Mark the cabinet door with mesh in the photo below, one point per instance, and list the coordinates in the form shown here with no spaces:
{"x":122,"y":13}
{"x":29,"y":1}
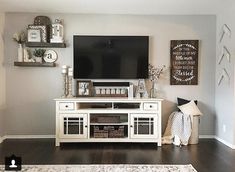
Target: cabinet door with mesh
{"x":73,"y":126}
{"x":143,"y":126}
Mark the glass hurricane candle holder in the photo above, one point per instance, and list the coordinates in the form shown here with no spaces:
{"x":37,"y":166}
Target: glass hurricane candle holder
{"x":65,"y":81}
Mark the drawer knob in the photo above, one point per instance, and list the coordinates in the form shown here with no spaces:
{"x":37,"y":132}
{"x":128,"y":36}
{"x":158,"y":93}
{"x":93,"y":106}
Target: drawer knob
{"x":131,"y":126}
{"x":85,"y":126}
{"x":66,"y":106}
{"x":150,"y":106}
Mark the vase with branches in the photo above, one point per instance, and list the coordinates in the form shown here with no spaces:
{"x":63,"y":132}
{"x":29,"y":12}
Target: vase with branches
{"x":154,"y":75}
{"x":20,"y":38}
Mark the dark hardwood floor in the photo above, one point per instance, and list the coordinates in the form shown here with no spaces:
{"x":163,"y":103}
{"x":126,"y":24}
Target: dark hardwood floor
{"x":208,"y":156}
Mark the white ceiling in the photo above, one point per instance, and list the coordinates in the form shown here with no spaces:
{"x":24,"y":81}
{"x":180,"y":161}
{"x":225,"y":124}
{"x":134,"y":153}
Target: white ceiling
{"x":114,"y":6}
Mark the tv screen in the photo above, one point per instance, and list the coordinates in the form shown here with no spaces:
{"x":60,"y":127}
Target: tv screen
{"x":110,"y":57}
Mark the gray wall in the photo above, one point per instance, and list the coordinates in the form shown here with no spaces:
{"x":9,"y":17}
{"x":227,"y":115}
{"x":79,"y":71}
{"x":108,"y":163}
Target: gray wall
{"x":1,"y":124}
{"x":2,"y":75}
{"x":30,"y":91}
{"x":225,"y":99}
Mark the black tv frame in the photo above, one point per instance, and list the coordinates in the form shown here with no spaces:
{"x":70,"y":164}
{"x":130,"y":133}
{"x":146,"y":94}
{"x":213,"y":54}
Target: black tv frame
{"x":142,"y":65}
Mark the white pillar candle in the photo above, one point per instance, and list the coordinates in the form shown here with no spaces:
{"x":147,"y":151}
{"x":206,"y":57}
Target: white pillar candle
{"x":70,"y":71}
{"x":64,"y":69}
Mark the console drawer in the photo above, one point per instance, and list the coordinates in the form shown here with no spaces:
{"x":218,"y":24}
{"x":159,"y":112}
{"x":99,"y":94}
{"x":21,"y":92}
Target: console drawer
{"x":66,"y":106}
{"x":150,"y":106}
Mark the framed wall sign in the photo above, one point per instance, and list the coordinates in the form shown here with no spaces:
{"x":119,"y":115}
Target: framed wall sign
{"x":184,"y":62}
{"x":84,"y":88}
{"x":43,"y":29}
{"x":34,"y":35}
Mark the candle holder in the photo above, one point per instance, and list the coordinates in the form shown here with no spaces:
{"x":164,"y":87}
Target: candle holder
{"x":65,"y":81}
{"x":64,"y":85}
{"x":70,"y":77}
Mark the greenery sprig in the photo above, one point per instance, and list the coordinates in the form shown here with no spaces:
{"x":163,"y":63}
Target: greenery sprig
{"x":39,"y":52}
{"x":20,"y":37}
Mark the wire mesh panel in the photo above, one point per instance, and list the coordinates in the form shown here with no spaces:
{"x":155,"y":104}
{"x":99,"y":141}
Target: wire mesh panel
{"x":143,"y":126}
{"x":73,"y":125}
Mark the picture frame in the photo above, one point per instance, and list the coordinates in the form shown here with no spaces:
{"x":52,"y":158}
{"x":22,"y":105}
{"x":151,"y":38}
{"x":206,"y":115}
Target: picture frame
{"x":84,"y":88}
{"x":34,"y":35}
{"x":43,"y":28}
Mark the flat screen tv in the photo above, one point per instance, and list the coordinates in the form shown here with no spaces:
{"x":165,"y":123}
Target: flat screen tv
{"x":110,"y":57}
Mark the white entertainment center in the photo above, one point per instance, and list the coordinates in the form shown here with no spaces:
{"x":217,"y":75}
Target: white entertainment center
{"x":94,"y":119}
{"x":108,"y":111}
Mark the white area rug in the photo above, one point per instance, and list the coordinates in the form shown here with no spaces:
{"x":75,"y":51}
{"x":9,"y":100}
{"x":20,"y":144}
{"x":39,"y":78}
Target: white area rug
{"x":106,"y":168}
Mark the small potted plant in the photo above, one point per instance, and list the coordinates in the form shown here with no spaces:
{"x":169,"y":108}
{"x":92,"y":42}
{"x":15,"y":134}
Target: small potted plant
{"x":38,"y":54}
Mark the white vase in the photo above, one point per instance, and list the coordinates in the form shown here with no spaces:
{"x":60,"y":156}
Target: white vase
{"x":38,"y":59}
{"x":20,"y":53}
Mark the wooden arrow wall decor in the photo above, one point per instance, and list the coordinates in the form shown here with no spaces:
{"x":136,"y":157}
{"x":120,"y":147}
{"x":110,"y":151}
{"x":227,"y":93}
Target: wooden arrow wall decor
{"x":224,"y":75}
{"x":225,"y":31}
{"x":224,"y":53}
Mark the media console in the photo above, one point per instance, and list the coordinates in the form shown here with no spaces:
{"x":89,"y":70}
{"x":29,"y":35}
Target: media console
{"x":108,"y":120}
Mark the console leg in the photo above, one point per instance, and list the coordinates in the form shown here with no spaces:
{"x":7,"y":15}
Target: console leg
{"x":57,"y":143}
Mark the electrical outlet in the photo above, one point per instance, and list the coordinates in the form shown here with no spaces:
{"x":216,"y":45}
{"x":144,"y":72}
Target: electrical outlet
{"x":224,"y":128}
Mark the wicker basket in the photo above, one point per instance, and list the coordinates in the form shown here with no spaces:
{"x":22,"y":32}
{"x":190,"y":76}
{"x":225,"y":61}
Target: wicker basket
{"x":101,"y":133}
{"x":109,"y":132}
{"x":116,"y":132}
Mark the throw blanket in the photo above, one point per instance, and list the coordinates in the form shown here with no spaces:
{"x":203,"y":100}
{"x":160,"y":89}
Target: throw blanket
{"x":179,"y":127}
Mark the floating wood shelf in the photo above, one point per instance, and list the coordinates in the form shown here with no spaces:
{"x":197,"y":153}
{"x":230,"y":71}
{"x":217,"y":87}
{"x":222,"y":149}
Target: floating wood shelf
{"x":34,"y":64}
{"x":45,"y":44}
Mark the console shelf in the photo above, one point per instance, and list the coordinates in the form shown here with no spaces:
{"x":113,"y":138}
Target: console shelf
{"x":45,"y":45}
{"x":34,"y":64}
{"x":122,"y":123}
{"x":108,"y":120}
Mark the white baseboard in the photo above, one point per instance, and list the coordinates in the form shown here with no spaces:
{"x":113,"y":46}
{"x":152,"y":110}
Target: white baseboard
{"x":217,"y":138}
{"x":53,"y":136}
{"x":28,"y":137}
{"x":225,"y":142}
{"x":2,"y":139}
{"x":207,"y":137}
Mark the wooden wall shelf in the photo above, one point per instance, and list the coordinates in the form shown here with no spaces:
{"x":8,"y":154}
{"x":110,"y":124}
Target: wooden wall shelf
{"x":34,"y":64}
{"x":45,"y":44}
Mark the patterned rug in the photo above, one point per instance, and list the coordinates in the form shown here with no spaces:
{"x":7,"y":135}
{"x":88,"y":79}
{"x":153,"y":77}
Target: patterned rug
{"x":106,"y":168}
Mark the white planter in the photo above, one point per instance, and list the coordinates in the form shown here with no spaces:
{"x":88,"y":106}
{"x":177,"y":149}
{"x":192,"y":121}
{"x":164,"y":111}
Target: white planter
{"x":38,"y":59}
{"x":20,"y":53}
